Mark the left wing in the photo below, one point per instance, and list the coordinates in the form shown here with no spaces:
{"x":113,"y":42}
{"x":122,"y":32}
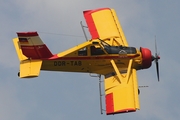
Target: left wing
{"x":103,"y":24}
{"x":121,"y":91}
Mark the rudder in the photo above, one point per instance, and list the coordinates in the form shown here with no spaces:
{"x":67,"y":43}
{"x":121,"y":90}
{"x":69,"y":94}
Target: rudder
{"x":32,"y":46}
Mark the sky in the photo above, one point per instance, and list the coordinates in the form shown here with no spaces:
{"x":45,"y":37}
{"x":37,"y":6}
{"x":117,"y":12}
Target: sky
{"x":67,"y":96}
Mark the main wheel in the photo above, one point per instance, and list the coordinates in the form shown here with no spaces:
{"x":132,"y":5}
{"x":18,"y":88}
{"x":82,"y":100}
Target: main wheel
{"x":138,"y":91}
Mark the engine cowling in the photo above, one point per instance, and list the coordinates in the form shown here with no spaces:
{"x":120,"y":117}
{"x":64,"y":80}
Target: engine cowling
{"x":146,"y":58}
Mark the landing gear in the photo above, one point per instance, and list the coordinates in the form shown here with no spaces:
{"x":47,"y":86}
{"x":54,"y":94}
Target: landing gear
{"x":138,"y":91}
{"x":18,"y":74}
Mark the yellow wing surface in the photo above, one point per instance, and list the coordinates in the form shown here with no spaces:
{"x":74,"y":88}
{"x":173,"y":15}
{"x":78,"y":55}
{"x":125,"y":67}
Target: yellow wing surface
{"x":103,"y":24}
{"x":121,"y":90}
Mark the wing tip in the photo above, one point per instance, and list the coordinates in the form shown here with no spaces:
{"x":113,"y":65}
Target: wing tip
{"x":95,"y":10}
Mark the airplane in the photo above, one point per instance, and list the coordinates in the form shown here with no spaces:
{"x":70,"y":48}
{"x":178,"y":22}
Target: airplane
{"x":107,"y":53}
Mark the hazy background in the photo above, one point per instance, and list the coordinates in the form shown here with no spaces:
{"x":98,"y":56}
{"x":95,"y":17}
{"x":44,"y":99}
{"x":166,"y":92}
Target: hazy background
{"x":75,"y":96}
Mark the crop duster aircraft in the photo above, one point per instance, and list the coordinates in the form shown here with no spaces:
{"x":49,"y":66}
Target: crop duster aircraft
{"x":107,"y":53}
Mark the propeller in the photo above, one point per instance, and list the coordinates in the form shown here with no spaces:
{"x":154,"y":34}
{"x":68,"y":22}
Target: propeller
{"x":155,"y":59}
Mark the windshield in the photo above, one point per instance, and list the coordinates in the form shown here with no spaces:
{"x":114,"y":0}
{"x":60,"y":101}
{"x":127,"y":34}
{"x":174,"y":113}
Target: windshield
{"x":104,"y":44}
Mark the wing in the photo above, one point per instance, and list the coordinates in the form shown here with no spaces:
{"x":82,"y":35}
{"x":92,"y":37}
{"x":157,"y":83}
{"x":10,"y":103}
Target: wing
{"x":121,"y":91}
{"x":103,"y":24}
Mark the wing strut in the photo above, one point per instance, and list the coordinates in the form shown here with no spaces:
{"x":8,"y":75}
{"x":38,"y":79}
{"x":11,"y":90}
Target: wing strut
{"x":120,"y":76}
{"x":82,"y":26}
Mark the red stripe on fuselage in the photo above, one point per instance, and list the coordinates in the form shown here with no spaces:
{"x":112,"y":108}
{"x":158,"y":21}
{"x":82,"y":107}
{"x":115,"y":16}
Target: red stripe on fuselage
{"x":55,"y":57}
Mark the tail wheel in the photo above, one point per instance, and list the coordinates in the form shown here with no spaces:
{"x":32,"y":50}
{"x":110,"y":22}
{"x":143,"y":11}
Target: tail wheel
{"x":18,"y":74}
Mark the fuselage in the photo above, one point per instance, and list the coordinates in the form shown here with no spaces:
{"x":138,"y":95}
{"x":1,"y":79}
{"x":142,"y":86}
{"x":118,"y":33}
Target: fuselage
{"x":99,"y":64}
{"x":95,"y":57}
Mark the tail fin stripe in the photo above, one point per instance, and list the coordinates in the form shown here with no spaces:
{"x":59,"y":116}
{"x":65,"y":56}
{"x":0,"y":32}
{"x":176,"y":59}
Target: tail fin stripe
{"x":36,"y":52}
{"x":27,"y":34}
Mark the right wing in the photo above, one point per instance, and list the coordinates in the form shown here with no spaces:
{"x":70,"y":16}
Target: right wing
{"x":103,"y":24}
{"x":121,"y":92}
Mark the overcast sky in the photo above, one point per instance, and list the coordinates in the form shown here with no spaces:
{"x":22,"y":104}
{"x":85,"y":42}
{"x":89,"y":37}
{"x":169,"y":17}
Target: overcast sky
{"x":75,"y":96}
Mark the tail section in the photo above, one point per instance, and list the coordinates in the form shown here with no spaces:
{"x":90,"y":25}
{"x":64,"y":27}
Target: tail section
{"x":30,"y":50}
{"x":30,"y":68}
{"x":19,"y":52}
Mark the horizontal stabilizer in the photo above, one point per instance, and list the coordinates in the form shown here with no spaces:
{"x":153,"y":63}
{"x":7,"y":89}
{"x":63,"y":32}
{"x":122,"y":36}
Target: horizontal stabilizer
{"x":30,"y":68}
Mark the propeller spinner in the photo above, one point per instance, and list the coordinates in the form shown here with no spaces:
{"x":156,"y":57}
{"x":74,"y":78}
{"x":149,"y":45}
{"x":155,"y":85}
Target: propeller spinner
{"x":147,"y":59}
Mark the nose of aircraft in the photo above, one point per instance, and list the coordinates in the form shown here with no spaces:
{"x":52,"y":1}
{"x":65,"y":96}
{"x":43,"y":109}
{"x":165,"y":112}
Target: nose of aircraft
{"x":147,"y":59}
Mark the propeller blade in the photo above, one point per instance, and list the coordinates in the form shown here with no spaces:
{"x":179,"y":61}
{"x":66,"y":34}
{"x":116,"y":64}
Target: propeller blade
{"x":156,"y":58}
{"x":157,"y":69}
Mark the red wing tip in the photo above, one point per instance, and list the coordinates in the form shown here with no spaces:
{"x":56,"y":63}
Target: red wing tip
{"x":27,"y":34}
{"x":95,"y":10}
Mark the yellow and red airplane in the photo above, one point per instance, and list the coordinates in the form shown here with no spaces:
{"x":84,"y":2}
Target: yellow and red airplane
{"x":106,"y":53}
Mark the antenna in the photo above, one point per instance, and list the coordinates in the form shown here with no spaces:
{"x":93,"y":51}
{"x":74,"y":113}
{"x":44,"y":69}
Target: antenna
{"x":82,"y":26}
